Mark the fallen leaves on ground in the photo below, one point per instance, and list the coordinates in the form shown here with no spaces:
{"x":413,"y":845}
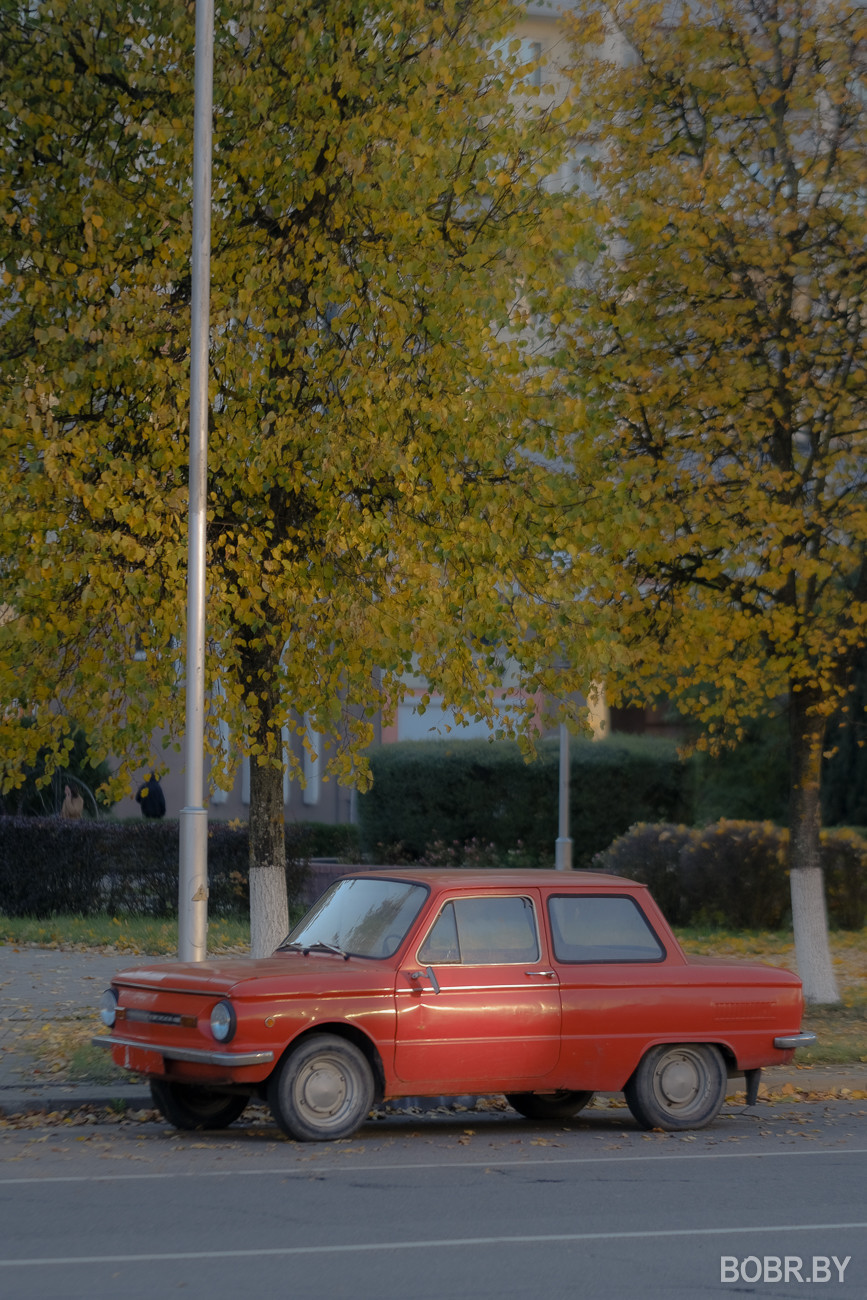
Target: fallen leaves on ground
{"x":791,"y":1092}
{"x":64,"y":1051}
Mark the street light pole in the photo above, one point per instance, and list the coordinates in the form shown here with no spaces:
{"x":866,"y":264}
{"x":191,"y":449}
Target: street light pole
{"x":193,"y":876}
{"x":563,"y":844}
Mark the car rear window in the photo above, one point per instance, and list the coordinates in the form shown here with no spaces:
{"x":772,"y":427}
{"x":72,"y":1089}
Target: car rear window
{"x":483,"y":931}
{"x":596,"y":927}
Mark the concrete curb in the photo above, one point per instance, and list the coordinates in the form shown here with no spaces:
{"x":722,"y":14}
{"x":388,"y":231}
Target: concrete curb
{"x":65,"y":1097}
{"x":838,"y":1082}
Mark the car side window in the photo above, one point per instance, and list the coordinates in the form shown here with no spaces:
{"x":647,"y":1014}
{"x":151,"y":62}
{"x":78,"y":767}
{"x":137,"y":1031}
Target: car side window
{"x":483,"y":931}
{"x":601,"y":928}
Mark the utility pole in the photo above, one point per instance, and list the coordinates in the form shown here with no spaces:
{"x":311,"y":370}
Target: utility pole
{"x":563,"y":844}
{"x":193,"y":876}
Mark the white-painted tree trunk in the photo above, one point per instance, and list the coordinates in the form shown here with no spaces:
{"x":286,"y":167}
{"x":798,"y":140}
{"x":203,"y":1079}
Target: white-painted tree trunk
{"x":810,"y":921}
{"x":809,"y":910}
{"x":269,"y":904}
{"x":269,"y":912}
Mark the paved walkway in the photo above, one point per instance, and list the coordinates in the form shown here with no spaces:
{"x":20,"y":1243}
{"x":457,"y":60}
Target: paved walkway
{"x":42,"y":987}
{"x":46,"y":987}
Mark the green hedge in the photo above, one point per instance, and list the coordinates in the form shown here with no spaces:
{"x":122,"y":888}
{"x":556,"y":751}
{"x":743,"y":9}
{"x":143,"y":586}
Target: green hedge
{"x":747,"y":783}
{"x":320,"y":840}
{"x":735,"y":873}
{"x":430,"y":792}
{"x":50,"y":866}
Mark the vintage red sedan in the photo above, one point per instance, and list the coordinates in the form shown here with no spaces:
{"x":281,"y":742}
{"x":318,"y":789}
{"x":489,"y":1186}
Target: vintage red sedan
{"x":541,"y":985}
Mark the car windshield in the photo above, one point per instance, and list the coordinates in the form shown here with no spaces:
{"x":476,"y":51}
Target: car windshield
{"x":362,"y":917}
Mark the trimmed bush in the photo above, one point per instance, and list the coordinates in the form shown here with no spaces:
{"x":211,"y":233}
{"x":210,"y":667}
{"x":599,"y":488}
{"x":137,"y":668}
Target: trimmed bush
{"x":51,"y":866}
{"x":431,"y":792}
{"x":735,"y":874}
{"x":844,"y":770}
{"x":321,"y":840}
{"x":844,"y":858}
{"x":651,"y":854}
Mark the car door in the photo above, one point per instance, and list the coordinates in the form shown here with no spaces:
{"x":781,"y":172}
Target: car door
{"x":478,"y":1002}
{"x":614,"y":975}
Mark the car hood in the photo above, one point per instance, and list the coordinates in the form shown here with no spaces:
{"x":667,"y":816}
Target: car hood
{"x":285,"y":973}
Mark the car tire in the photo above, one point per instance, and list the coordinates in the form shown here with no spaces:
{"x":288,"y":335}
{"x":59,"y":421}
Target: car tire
{"x":562,"y":1104}
{"x":323,"y":1090}
{"x":678,"y":1086}
{"x":188,"y":1106}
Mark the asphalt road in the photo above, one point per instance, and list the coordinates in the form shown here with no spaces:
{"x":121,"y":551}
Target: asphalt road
{"x":441,"y":1208}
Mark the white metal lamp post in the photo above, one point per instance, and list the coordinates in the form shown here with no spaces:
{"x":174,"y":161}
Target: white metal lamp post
{"x":193,"y":876}
{"x":563,"y":844}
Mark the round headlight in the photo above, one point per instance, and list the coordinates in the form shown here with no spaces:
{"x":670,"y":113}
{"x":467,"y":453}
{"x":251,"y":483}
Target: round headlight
{"x":223,"y":1022}
{"x":108,"y":1007}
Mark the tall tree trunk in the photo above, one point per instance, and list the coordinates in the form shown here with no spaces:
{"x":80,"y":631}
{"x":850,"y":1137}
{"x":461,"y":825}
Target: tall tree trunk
{"x":809,"y":911}
{"x":269,"y":907}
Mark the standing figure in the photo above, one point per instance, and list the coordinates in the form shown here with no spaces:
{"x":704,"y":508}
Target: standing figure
{"x":151,"y":798}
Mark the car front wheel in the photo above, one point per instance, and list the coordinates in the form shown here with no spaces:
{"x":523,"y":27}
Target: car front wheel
{"x":562,"y":1104}
{"x":323,"y":1090}
{"x":190,"y":1107}
{"x":678,"y":1086}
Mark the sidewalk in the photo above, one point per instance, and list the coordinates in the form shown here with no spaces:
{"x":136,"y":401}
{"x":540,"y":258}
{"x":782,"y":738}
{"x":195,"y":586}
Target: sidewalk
{"x":46,"y":987}
{"x":43,"y":987}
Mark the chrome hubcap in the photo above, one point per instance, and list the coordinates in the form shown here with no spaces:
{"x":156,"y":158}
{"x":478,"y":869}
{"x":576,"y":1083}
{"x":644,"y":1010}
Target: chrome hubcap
{"x":322,"y":1089}
{"x":679,"y":1080}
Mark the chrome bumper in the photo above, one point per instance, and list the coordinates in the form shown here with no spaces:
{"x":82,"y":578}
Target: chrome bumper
{"x":788,"y":1041}
{"x":197,"y":1056}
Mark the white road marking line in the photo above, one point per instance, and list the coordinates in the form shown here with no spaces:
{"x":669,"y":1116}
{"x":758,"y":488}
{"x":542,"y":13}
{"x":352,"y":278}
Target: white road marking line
{"x":448,"y":1243}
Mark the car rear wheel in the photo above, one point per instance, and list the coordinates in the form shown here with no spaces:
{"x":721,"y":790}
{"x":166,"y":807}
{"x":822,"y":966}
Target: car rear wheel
{"x":562,"y":1104}
{"x":678,"y":1086}
{"x":190,"y":1107}
{"x":323,"y":1090}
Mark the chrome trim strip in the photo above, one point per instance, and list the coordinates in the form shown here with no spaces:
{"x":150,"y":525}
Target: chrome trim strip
{"x":788,"y":1041}
{"x":194,"y":1054}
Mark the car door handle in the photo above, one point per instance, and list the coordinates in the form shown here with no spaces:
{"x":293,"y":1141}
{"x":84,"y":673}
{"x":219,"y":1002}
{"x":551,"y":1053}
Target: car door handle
{"x":548,"y":974}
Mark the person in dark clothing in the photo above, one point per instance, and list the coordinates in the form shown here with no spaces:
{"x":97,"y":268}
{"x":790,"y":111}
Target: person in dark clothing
{"x":151,"y":798}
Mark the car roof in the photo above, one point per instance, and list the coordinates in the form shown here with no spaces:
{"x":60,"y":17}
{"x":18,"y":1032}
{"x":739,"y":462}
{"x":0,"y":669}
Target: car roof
{"x":511,"y":877}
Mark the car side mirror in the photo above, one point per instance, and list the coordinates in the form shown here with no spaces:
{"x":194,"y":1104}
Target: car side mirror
{"x":428,"y":971}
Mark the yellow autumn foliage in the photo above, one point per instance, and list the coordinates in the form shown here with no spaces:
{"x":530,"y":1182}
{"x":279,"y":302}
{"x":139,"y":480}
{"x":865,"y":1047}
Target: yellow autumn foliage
{"x":381,"y":491}
{"x":719,"y":348}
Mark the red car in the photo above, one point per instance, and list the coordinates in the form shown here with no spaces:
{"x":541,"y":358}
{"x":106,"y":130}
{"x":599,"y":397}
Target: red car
{"x":541,"y":985}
